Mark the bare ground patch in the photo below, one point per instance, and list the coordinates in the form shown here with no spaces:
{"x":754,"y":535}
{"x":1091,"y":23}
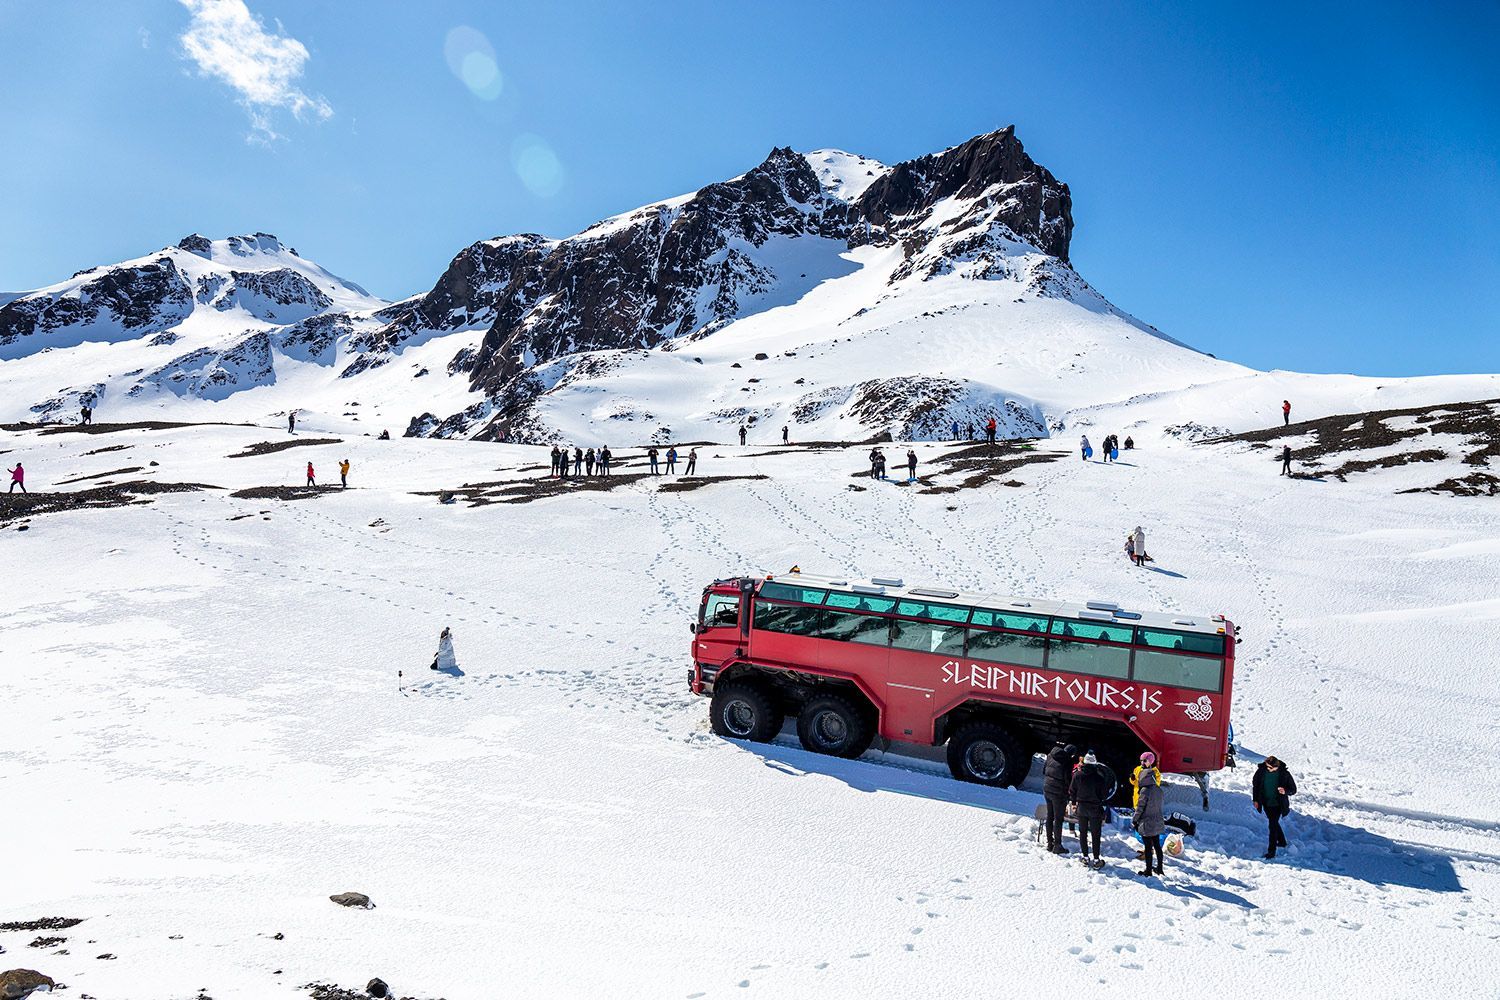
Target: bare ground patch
{"x":15,"y":506}
{"x":271,"y":447}
{"x":1338,"y":439}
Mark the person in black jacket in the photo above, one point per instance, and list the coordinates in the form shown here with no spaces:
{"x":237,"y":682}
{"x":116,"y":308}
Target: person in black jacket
{"x":1090,"y":790}
{"x":1270,"y":790}
{"x":1056,"y":775}
{"x":1286,"y":460}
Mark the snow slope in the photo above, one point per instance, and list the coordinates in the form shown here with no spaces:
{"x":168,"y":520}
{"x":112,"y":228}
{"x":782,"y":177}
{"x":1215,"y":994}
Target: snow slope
{"x":205,"y":736}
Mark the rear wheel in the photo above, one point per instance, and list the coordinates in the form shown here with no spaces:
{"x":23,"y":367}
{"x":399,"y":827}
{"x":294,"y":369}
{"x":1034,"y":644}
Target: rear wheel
{"x":835,"y":725}
{"x":986,"y":753}
{"x":744,"y":710}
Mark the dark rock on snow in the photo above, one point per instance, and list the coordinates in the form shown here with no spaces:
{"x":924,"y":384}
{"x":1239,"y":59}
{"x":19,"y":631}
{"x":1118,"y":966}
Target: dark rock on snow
{"x":356,"y":899}
{"x":19,"y":983}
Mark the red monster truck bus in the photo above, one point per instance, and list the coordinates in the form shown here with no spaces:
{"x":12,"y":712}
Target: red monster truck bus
{"x":997,"y":679}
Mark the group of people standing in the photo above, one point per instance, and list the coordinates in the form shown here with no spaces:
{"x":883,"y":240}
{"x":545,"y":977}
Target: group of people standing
{"x":589,"y":462}
{"x":877,"y":464}
{"x":1083,"y":782}
{"x":966,"y":432}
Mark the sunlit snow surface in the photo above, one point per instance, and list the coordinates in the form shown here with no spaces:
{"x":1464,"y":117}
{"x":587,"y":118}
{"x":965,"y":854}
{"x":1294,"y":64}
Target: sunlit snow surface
{"x":205,"y":734}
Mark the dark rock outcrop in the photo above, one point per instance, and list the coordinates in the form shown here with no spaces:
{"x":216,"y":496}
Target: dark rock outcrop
{"x":18,"y":983}
{"x":354,"y":899}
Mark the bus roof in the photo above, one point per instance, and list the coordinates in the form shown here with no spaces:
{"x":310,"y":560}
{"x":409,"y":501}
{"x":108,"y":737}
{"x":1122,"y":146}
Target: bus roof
{"x":1102,"y":611}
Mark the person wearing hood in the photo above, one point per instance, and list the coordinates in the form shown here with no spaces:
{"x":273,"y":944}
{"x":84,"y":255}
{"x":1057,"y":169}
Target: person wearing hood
{"x":1138,"y":546}
{"x":1148,"y":820}
{"x":1089,"y":790}
{"x":1270,"y":790}
{"x":1148,"y":763}
{"x":1056,"y":775}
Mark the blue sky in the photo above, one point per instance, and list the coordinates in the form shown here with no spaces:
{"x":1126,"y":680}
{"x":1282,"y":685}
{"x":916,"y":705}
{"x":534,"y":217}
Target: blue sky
{"x":1290,"y":188}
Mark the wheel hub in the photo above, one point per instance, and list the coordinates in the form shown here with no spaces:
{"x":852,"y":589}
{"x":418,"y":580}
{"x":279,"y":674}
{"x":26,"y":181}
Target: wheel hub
{"x":985,"y":760}
{"x":739,"y":718}
{"x":830,"y":729}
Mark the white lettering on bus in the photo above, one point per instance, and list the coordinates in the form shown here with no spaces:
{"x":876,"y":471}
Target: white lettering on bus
{"x":1035,"y":684}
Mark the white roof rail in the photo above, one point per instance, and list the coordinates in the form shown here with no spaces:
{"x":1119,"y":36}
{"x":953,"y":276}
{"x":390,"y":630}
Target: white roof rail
{"x":887,"y":581}
{"x":1102,"y":606}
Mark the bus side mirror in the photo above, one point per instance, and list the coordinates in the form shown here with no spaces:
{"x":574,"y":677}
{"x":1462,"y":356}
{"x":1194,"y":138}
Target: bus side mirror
{"x":1238,"y":640}
{"x":693,"y":627}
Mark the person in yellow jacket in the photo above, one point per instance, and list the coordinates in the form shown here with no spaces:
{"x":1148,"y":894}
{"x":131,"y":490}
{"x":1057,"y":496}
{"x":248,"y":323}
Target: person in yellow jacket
{"x":344,"y":472}
{"x":1148,"y":762}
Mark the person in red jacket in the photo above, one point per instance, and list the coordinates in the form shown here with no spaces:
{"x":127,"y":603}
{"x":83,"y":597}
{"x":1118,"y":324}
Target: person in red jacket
{"x":311,"y":479}
{"x":1286,"y":412}
{"x":989,"y":430}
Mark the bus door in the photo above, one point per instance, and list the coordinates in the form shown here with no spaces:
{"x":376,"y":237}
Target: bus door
{"x":718,"y":627}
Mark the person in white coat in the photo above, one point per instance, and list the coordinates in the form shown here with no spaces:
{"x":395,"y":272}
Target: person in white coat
{"x":1083,"y":448}
{"x":445,"y":659}
{"x":1138,"y":546}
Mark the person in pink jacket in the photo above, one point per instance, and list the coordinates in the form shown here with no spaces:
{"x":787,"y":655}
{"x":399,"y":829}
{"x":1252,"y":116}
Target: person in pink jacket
{"x":17,"y":478}
{"x":311,"y":480}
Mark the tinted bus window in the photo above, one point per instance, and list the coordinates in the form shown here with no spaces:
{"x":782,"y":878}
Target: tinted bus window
{"x":784,"y":592}
{"x":942,"y":612}
{"x":1022,"y":650}
{"x":786,"y":618}
{"x":845,"y":627}
{"x":1091,"y":630}
{"x":860,"y":602}
{"x":1087,"y":658}
{"x":926,"y":637}
{"x":1188,"y":642}
{"x":1021,"y":623}
{"x":1173,"y":670}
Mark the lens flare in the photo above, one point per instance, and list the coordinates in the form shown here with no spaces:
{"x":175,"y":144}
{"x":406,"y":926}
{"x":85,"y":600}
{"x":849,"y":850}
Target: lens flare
{"x":537,"y":165}
{"x":471,"y":58}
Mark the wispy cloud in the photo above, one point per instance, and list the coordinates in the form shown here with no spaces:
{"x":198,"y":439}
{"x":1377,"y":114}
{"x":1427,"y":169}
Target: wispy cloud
{"x":232,"y":45}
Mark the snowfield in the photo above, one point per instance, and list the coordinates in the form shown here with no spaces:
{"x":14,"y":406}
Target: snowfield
{"x":206,"y":734}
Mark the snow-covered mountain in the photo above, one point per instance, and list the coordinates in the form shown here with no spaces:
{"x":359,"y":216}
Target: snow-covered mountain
{"x":824,"y":291}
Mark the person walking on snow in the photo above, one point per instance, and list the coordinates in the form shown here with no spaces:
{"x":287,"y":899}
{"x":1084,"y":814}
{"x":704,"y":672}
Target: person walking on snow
{"x":1056,"y":775}
{"x":954,"y":429}
{"x":742,"y":433}
{"x":17,"y":478}
{"x":555,"y":454}
{"x":692,"y":465}
{"x":672,"y":460}
{"x":989,"y":430}
{"x":1286,"y":412}
{"x":1084,"y":448}
{"x":311,"y":479}
{"x":1088,"y":790}
{"x":1138,"y":546}
{"x":577,"y":461}
{"x":86,"y":414}
{"x":291,"y":421}
{"x":651,"y":455}
{"x":874,"y":463}
{"x":1286,"y":460}
{"x":1148,"y":820}
{"x":1270,"y":790}
{"x":911,"y":466}
{"x":786,"y":434}
{"x":344,"y":473}
{"x":605,"y":455}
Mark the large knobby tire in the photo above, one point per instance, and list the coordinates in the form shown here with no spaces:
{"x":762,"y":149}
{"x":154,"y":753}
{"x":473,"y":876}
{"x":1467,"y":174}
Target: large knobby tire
{"x":744,"y":710}
{"x":987,"y":754}
{"x":835,"y":725}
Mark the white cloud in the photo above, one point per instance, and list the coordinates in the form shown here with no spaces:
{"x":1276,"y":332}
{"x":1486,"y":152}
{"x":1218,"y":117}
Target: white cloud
{"x":232,"y":45}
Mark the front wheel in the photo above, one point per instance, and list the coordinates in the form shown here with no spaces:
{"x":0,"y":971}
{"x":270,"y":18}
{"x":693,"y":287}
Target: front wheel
{"x":987,"y":754}
{"x":744,"y":710}
{"x":832,"y":724}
